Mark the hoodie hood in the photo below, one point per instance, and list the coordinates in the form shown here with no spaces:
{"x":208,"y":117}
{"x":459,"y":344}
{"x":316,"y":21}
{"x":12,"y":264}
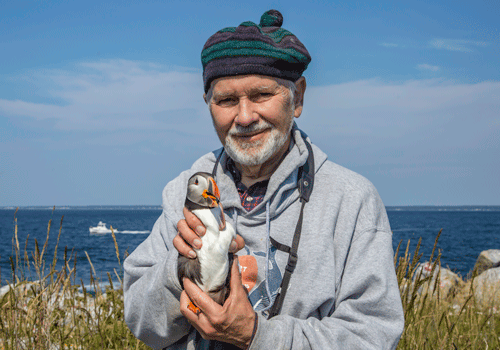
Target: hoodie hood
{"x":281,"y":190}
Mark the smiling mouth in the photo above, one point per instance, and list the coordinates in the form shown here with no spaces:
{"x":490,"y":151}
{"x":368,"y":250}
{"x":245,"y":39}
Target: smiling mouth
{"x":250,"y":134}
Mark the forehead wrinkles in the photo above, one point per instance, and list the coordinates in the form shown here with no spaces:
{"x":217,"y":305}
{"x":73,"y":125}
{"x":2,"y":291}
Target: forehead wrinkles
{"x":247,"y":90}
{"x":235,"y":88}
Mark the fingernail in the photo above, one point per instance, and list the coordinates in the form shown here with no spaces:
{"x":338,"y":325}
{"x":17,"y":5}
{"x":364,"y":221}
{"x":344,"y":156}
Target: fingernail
{"x":192,"y":254}
{"x":233,"y":246}
{"x":200,"y":230}
{"x":197,"y":243}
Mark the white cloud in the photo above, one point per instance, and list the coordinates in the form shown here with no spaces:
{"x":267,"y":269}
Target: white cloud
{"x":425,"y":66}
{"x":456,"y":44}
{"x":115,"y":95}
{"x":418,"y":115}
{"x":140,"y":98}
{"x":423,"y":132}
{"x":419,"y":141}
{"x":119,"y":95}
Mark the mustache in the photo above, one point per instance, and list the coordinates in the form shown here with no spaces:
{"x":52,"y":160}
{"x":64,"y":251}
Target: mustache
{"x":239,"y":130}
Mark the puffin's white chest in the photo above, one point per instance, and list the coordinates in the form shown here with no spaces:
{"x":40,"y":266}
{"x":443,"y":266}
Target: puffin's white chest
{"x":213,"y":255}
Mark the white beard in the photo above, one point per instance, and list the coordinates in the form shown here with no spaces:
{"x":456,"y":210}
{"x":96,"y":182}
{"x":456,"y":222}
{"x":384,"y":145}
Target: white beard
{"x":257,"y":152}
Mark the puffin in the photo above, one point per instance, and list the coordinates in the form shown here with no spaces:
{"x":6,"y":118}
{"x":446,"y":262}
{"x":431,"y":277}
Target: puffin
{"x":210,"y":270}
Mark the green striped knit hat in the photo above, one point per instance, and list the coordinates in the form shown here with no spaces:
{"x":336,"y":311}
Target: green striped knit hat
{"x":265,"y":49}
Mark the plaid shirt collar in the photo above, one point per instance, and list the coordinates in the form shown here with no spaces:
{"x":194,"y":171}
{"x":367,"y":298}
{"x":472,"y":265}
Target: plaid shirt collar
{"x":249,"y":197}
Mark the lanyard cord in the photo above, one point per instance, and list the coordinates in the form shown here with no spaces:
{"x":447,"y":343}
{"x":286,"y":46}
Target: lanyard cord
{"x":290,"y":266}
{"x":305,"y":186}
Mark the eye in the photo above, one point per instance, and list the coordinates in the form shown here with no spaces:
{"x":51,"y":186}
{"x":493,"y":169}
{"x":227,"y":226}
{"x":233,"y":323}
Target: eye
{"x":227,"y":101}
{"x":261,"y":96}
{"x":196,"y":181}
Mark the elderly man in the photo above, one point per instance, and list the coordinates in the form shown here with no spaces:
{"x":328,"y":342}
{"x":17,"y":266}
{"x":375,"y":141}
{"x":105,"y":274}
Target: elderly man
{"x":315,"y":262}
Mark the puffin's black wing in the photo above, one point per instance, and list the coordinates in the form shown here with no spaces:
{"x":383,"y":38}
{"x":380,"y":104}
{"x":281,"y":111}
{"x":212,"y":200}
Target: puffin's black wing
{"x":189,"y":268}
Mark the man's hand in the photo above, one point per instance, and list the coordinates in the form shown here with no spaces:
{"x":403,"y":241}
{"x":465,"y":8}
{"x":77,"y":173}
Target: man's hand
{"x":231,"y":323}
{"x":189,"y":231}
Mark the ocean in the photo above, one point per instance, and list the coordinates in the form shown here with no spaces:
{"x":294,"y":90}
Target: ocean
{"x":466,"y":231}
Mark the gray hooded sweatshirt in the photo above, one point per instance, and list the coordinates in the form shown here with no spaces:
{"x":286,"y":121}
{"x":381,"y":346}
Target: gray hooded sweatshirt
{"x":343,"y":293}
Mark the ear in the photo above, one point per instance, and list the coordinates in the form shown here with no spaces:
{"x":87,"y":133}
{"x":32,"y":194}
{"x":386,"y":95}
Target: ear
{"x":205,"y":98}
{"x":300,"y":85}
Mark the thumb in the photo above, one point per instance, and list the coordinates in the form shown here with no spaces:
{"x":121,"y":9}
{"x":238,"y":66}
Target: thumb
{"x":235,"y":282}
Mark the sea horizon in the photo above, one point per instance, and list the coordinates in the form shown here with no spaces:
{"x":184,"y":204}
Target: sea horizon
{"x":466,"y":230}
{"x":159,"y":207}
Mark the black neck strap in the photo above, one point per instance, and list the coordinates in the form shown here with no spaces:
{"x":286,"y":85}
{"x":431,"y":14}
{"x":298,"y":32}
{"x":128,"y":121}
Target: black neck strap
{"x":217,"y":161}
{"x":305,"y":186}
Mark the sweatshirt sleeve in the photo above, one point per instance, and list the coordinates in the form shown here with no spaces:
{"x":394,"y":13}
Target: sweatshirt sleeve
{"x":151,"y":286}
{"x":152,"y":290}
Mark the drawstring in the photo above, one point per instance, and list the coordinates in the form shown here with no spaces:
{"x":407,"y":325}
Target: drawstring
{"x":235,"y":215}
{"x":268,"y":234}
{"x":305,"y":185}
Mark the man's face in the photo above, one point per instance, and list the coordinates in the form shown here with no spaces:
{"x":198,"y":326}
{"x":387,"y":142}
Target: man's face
{"x":253,"y":116}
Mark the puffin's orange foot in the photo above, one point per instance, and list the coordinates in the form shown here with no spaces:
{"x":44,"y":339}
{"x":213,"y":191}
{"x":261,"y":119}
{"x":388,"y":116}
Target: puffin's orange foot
{"x":194,"y":308}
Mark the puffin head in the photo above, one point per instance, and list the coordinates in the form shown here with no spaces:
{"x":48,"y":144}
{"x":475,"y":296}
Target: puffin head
{"x":203,"y":190}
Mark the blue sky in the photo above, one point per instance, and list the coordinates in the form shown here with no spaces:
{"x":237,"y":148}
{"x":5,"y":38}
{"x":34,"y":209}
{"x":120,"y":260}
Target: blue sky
{"x":101,"y":101}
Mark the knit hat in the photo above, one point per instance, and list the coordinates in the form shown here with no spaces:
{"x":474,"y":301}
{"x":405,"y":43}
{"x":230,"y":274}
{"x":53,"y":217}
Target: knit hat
{"x":265,"y":49}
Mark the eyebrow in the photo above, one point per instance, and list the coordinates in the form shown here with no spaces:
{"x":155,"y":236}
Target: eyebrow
{"x":221,"y":95}
{"x":250,"y":91}
{"x":264,"y":88}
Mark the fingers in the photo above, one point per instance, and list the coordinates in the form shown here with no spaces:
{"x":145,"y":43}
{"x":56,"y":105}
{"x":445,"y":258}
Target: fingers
{"x":197,"y":320}
{"x":194,"y":223}
{"x":183,"y":248}
{"x":200,"y":298}
{"x":237,"y":244}
{"x":235,"y":282}
{"x":232,"y":323}
{"x":188,"y":235}
{"x":185,"y":303}
{"x":189,"y":231}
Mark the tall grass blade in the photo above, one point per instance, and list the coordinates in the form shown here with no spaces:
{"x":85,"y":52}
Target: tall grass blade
{"x":117,"y":251}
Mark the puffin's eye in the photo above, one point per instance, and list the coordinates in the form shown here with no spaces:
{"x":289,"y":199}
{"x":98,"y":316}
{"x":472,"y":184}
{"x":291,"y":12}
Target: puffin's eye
{"x":196,"y":181}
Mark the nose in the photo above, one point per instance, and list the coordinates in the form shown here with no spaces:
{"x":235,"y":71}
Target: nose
{"x":246,"y":113}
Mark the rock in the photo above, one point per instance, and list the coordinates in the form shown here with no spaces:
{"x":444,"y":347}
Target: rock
{"x":4,"y":290}
{"x":22,"y":288}
{"x":487,"y":288}
{"x":449,"y":282}
{"x":486,"y":260}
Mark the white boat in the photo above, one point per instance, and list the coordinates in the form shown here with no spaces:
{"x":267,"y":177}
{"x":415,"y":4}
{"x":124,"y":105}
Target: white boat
{"x":100,"y":228}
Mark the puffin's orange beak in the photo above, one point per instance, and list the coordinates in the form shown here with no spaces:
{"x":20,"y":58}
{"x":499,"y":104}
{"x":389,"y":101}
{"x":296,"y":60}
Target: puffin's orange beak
{"x":212,"y":193}
{"x":212,"y":199}
{"x":214,"y":189}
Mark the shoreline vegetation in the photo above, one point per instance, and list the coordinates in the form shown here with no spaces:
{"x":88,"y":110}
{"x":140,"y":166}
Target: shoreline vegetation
{"x":44,"y":307}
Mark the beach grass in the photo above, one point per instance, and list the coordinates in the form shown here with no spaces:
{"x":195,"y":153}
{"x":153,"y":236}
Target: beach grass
{"x":454,"y":320}
{"x":46,"y":308}
{"x":51,"y":310}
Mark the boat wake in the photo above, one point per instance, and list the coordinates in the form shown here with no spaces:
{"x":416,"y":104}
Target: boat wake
{"x":133,"y":232}
{"x":101,"y":229}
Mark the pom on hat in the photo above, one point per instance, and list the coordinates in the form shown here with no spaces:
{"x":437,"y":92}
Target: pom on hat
{"x":265,"y":49}
{"x":271,"y":18}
